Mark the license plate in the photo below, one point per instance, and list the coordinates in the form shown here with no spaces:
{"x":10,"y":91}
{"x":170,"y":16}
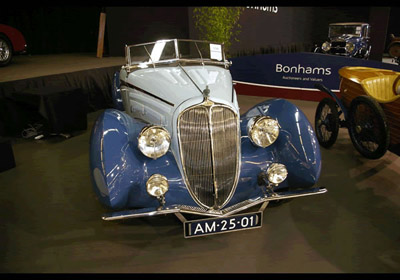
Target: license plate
{"x":221,"y":225}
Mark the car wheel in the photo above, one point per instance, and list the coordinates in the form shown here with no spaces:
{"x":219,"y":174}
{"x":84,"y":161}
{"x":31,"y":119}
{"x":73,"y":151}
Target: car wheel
{"x":327,"y":122}
{"x":394,"y":50}
{"x":6,"y":51}
{"x":368,"y":127}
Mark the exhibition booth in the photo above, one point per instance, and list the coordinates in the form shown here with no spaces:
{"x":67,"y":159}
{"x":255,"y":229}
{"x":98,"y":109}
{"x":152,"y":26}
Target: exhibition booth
{"x":165,"y":153}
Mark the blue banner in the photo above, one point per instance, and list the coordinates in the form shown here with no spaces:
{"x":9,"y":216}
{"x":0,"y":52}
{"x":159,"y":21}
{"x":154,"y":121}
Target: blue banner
{"x":297,"y":70}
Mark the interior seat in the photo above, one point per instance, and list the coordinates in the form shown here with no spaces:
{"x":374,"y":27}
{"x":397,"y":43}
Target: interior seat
{"x":381,"y":88}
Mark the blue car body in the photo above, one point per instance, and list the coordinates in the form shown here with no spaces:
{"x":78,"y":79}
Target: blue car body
{"x":351,"y":39}
{"x":119,"y":169}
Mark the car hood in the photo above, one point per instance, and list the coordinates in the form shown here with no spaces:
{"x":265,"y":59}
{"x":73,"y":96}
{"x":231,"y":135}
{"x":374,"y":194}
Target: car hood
{"x":179,"y":84}
{"x":345,"y":37}
{"x":173,"y":89}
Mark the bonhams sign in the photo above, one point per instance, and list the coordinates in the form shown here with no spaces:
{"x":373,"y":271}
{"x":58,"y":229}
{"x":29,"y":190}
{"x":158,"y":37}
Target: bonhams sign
{"x":299,"y":69}
{"x":265,"y":9}
{"x":296,"y":70}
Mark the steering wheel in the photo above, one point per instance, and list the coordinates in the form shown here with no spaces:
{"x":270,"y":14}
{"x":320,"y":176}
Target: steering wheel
{"x":396,"y":89}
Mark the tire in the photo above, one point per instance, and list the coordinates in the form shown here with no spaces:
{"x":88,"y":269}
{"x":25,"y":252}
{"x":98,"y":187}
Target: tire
{"x":327,"y":122}
{"x":394,"y":49}
{"x":6,"y":50}
{"x":368,"y":127}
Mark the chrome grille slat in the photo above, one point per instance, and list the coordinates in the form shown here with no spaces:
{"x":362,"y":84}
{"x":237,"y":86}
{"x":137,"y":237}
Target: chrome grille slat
{"x":196,"y":149}
{"x":225,"y":145}
{"x":208,"y":136}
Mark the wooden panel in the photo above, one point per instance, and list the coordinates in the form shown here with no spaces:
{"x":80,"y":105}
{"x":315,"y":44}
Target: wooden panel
{"x":350,"y":90}
{"x":392,"y":112}
{"x":100,"y":42}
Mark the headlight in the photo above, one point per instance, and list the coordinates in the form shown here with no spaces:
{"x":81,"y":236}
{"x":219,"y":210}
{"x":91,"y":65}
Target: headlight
{"x":326,"y":46}
{"x":263,"y":131}
{"x":154,"y":141}
{"x":349,"y":47}
{"x":277,"y":173}
{"x":157,"y":185}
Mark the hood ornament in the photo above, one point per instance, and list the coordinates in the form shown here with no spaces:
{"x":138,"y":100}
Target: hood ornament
{"x":206,"y":95}
{"x":206,"y":92}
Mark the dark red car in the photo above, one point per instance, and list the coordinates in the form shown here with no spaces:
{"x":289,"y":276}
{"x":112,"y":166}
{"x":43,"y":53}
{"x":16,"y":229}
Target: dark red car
{"x":11,"y":42}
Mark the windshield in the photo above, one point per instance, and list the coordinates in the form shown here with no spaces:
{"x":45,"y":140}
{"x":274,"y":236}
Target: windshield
{"x":338,"y":30}
{"x":174,"y":50}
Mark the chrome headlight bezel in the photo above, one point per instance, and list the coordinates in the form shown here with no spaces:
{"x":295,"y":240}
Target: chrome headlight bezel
{"x":263,"y":131}
{"x":349,"y":47}
{"x":157,"y":185}
{"x":326,"y":46}
{"x":277,"y":173}
{"x":154,"y":141}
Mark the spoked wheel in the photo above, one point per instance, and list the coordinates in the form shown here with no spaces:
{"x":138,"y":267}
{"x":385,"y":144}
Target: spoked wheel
{"x":6,"y":51}
{"x":368,"y":128}
{"x":394,"y":50}
{"x":327,"y":122}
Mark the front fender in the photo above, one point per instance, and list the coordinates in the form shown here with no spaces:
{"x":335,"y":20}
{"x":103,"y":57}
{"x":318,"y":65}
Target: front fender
{"x":113,"y":170}
{"x":119,"y":170}
{"x":297,"y":146}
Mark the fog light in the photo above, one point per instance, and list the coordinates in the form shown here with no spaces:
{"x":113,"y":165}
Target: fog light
{"x":157,"y":185}
{"x":277,"y":173}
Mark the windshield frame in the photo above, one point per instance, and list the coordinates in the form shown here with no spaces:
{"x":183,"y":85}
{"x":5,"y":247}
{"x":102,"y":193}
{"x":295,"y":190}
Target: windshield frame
{"x":176,"y":60}
{"x":345,"y":26}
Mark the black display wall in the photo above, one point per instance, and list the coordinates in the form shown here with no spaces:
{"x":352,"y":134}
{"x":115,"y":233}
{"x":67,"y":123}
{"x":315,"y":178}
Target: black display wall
{"x":393,"y":25}
{"x":284,"y":29}
{"x":134,"y":25}
{"x":379,"y":19}
{"x":279,"y":29}
{"x":51,"y":30}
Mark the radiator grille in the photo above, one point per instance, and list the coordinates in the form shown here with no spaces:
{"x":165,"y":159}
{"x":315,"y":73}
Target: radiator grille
{"x":209,"y":143}
{"x":338,"y":44}
{"x":338,"y":47}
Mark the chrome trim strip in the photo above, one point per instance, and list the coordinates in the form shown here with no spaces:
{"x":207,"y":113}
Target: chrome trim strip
{"x":210,"y":127}
{"x":176,"y":62}
{"x":145,"y":212}
{"x":241,"y":206}
{"x":123,"y":83}
{"x":190,"y":78}
{"x":176,"y":40}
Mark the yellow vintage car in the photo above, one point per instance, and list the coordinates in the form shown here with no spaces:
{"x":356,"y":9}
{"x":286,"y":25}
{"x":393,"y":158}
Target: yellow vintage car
{"x":369,"y":106}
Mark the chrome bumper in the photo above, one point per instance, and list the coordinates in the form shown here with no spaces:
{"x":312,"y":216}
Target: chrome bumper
{"x":179,"y":209}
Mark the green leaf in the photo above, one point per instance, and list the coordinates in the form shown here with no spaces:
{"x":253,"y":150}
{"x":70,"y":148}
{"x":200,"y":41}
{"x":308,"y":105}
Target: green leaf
{"x":218,"y":24}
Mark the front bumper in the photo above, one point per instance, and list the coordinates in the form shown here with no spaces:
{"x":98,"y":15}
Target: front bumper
{"x":178,"y":209}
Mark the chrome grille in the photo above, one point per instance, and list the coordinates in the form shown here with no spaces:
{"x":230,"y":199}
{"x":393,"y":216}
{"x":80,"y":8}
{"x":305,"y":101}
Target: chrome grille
{"x":338,"y":47}
{"x":338,"y":44}
{"x":209,"y":147}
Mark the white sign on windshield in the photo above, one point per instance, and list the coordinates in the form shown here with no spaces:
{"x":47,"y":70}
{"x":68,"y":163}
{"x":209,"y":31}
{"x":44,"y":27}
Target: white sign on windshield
{"x":215,"y":51}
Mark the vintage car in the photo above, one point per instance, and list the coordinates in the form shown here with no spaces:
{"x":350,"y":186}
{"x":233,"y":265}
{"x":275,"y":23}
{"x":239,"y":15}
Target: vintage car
{"x":11,"y":42}
{"x":369,"y":106}
{"x":347,"y":39}
{"x":175,"y":143}
{"x":394,"y":48}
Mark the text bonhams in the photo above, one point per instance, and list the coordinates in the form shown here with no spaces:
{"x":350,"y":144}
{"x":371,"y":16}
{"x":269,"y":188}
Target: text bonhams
{"x":302,"y":70}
